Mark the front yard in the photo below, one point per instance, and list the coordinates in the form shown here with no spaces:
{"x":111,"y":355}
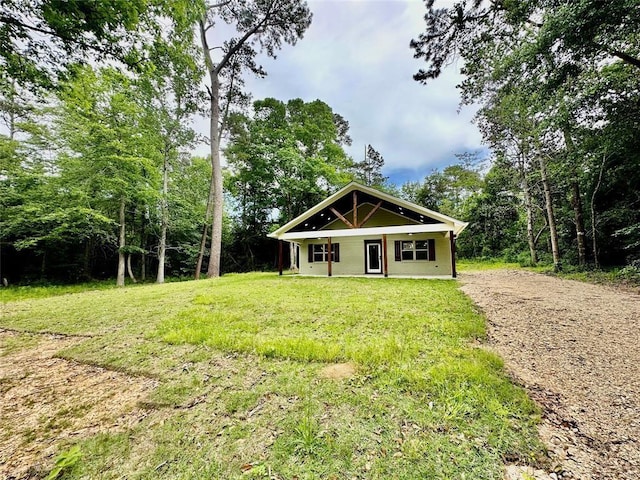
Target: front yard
{"x":259,"y":376}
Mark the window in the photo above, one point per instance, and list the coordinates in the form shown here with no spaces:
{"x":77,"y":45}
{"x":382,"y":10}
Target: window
{"x":407,"y":250}
{"x":422,"y":250}
{"x":319,"y":252}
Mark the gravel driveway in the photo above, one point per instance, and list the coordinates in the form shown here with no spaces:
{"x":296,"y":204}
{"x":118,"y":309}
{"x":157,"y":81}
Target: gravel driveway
{"x":576,"y":349}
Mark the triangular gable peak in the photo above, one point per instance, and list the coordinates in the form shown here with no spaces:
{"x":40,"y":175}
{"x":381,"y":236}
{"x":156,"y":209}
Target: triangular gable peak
{"x":368,"y":208}
{"x":373,"y":210}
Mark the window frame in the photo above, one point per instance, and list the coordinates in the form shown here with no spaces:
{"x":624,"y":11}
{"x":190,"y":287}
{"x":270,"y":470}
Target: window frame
{"x":408,"y":251}
{"x":321,"y":250}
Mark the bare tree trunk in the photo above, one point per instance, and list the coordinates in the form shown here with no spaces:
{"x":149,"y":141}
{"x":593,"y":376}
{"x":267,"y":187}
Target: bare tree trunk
{"x":130,"y":270}
{"x":143,"y":246}
{"x":121,"y":245}
{"x":529,"y":209}
{"x":576,"y":204}
{"x":214,"y":70}
{"x":86,"y":260}
{"x":213,"y":269}
{"x":12,"y":110}
{"x":43,"y":264}
{"x":205,"y":230}
{"x":557,"y":264}
{"x":143,"y":265}
{"x":528,"y":206}
{"x":165,"y":218}
{"x":576,"y":200}
{"x":594,"y":236}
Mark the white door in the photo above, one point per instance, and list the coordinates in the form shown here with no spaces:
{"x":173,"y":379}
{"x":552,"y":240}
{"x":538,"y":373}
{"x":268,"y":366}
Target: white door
{"x":374,"y":257}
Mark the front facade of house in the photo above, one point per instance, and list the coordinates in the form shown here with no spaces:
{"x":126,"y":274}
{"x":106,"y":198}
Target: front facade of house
{"x":361,"y":231}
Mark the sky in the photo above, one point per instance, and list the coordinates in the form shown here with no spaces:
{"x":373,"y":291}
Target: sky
{"x":355,"y":57}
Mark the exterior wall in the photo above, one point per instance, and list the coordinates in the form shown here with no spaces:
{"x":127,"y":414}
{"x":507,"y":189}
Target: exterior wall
{"x":352,"y":257}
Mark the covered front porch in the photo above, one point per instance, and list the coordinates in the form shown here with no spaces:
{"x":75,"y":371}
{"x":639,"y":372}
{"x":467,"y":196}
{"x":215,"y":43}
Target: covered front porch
{"x":392,"y":251}
{"x":362,"y":231}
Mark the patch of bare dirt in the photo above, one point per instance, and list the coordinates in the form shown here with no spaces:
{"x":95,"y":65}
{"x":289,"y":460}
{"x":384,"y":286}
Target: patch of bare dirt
{"x":576,"y":349}
{"x":46,"y":402}
{"x":338,"y":371}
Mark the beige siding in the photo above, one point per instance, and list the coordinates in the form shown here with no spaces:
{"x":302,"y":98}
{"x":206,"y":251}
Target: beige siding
{"x":352,"y":261}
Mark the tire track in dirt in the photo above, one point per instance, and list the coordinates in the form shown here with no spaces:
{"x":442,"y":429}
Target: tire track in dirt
{"x":576,"y":349}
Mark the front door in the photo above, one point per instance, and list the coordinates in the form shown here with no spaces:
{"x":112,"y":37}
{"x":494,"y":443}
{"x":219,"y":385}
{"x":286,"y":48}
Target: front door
{"x":373,"y":256}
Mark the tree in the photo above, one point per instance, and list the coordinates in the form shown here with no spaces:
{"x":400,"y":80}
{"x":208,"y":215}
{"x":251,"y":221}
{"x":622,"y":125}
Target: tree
{"x":493,"y":214}
{"x":102,"y":128}
{"x":369,"y":170}
{"x":590,"y":31}
{"x":171,"y":96}
{"x":259,"y":23}
{"x":447,"y":191}
{"x":43,"y":38}
{"x":285,"y":157}
{"x":548,"y":49}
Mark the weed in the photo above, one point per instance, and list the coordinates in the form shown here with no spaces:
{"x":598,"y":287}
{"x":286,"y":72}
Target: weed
{"x":65,"y":462}
{"x":307,"y":438}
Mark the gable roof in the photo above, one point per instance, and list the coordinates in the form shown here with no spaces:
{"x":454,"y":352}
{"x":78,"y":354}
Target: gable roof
{"x":419,"y":219}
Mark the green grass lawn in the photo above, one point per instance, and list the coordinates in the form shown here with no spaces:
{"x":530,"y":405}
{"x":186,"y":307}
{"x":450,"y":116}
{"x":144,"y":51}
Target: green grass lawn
{"x":241,"y":394}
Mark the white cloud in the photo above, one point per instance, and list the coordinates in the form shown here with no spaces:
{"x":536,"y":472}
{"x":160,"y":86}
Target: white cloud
{"x":356,"y":58}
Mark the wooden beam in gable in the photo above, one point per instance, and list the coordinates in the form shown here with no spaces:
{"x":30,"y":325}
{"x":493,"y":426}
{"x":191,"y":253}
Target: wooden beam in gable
{"x":370,"y":214}
{"x":341,"y":217}
{"x":355,"y":209}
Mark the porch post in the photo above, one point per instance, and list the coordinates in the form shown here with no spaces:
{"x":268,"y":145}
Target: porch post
{"x":328,"y":256}
{"x":280,"y":242}
{"x":452,"y":241}
{"x":385,"y":266}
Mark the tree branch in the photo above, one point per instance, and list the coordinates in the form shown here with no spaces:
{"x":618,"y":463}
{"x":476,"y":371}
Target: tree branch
{"x":205,"y":45}
{"x":625,"y":57}
{"x":52,"y":33}
{"x":537,"y":237}
{"x":232,"y":51}
{"x":217,"y":5}
{"x":225,"y":114}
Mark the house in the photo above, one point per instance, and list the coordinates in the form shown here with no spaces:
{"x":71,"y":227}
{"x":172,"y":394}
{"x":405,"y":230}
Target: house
{"x":361,"y":231}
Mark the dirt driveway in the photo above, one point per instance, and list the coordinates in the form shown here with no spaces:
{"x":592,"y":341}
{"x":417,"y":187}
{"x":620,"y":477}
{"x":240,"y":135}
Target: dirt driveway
{"x":576,"y":349}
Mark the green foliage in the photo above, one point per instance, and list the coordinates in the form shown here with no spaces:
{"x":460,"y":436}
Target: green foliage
{"x":112,"y":135}
{"x":494,"y":216}
{"x":43,"y":40}
{"x":65,"y":462}
{"x":628,"y":276}
{"x":558,"y":82}
{"x":287,"y":157}
{"x":448,"y":191}
{"x":283,"y":159}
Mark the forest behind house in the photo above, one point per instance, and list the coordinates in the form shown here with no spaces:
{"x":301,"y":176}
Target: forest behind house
{"x":98,"y":179}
